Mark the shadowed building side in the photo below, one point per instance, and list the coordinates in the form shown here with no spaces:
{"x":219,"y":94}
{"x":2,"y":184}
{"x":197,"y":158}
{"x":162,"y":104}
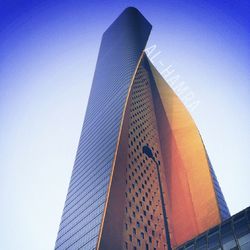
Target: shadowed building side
{"x":134,"y":217}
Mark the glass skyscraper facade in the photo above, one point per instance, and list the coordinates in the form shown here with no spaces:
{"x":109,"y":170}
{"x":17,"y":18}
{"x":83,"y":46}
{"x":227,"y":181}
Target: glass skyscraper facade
{"x":122,"y":45}
{"x":119,"y":197}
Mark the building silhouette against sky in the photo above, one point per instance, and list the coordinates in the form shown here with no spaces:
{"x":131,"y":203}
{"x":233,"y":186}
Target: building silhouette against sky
{"x":142,"y":178}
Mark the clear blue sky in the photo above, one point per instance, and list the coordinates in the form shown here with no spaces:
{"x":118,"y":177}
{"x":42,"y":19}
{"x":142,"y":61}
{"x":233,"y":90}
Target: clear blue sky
{"x":48,"y":51}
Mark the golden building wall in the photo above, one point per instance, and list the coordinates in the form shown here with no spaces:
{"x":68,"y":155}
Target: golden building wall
{"x":192,"y":206}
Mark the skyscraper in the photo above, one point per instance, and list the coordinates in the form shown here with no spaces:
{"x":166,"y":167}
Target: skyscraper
{"x":142,"y":178}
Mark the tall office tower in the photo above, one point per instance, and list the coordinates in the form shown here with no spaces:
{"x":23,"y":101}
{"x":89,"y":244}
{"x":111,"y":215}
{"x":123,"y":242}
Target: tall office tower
{"x":142,"y":178}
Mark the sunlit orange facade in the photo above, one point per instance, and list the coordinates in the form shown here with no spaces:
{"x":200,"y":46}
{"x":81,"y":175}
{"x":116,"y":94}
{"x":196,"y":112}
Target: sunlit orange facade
{"x":193,"y":203}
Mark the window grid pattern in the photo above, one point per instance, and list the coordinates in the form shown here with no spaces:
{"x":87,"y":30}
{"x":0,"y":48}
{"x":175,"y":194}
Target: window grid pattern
{"x":143,"y":218}
{"x":232,"y":234}
{"x":117,"y":61}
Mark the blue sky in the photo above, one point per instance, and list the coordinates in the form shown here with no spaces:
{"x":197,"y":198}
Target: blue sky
{"x":48,"y":51}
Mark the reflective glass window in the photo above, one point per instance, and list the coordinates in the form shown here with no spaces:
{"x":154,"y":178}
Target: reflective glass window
{"x":227,"y":237}
{"x":201,"y":243}
{"x":213,"y":241}
{"x":242,"y":232}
